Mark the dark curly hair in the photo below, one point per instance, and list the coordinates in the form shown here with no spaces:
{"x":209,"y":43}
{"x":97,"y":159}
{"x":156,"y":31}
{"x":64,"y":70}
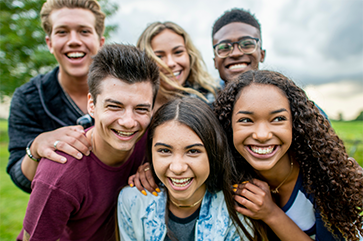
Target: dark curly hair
{"x":199,"y":117}
{"x":334,"y":179}
{"x":235,"y":15}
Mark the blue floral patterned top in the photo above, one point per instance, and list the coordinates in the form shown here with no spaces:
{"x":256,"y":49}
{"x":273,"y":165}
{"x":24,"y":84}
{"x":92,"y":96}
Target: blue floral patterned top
{"x":143,"y":217}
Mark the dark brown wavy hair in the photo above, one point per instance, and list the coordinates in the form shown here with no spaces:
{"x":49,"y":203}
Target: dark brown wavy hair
{"x":199,"y":117}
{"x":334,"y":179}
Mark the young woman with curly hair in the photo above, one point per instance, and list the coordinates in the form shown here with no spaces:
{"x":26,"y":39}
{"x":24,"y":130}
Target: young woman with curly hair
{"x":182,"y":69}
{"x":299,"y":174}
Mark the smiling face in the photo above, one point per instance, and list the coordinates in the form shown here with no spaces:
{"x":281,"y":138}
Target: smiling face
{"x":237,"y":62}
{"x":122,"y":113}
{"x":180,"y":161}
{"x":170,"y":48}
{"x":262,"y":126}
{"x":73,"y":41}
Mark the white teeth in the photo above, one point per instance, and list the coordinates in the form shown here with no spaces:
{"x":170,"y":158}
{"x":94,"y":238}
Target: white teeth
{"x":177,"y":73}
{"x":123,"y":133}
{"x":180,"y":182}
{"x":75,"y":55}
{"x":238,"y":66}
{"x":263,"y":151}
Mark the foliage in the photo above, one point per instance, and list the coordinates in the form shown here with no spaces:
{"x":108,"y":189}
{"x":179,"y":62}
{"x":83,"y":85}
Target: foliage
{"x":23,"y":51}
{"x":351,"y":132}
{"x":360,"y":116}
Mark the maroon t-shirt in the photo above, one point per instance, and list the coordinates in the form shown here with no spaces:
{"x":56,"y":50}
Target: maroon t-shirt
{"x":77,"y":200}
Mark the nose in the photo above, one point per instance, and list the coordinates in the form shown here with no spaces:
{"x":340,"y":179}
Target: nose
{"x":74,"y":38}
{"x":262,"y":133}
{"x":127,"y":120}
{"x":236,"y":51}
{"x":170,"y":62}
{"x":178,"y":166}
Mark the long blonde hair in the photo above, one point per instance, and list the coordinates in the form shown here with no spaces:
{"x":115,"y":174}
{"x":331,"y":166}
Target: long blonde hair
{"x":198,"y":73}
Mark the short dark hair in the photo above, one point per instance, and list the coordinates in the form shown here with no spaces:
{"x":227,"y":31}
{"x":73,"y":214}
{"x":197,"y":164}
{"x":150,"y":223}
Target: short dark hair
{"x":235,"y":15}
{"x":124,"y":62}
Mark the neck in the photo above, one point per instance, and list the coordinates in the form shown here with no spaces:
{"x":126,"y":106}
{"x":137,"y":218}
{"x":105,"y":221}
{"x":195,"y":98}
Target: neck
{"x":106,"y":153}
{"x":282,"y":174}
{"x":183,"y":209}
{"x":75,"y":88}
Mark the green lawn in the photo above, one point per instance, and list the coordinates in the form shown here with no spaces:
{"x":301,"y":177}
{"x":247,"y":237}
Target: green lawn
{"x":351,"y":132}
{"x":13,"y":201}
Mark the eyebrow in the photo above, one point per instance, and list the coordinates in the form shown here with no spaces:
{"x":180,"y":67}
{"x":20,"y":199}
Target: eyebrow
{"x":229,"y":41}
{"x":169,"y":146}
{"x":272,"y":112}
{"x":162,"y":51}
{"x":120,"y":103}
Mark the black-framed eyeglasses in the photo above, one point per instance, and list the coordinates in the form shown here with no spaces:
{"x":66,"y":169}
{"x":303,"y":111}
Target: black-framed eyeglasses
{"x":246,"y":45}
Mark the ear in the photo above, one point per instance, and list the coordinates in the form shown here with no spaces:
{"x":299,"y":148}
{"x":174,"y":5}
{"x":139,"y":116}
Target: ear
{"x":90,"y":105}
{"x":215,"y":63}
{"x":49,"y":44}
{"x":102,"y":41}
{"x":263,"y":54}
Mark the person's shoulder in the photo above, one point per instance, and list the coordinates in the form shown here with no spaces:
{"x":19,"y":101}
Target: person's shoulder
{"x":70,"y":173}
{"x":32,"y":85}
{"x":132,"y":198}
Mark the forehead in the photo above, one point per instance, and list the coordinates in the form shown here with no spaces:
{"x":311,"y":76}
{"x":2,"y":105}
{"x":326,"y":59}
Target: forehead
{"x":166,"y":38}
{"x":69,"y":17}
{"x":235,"y":31}
{"x":175,"y":132}
{"x":119,"y":90}
{"x":261,"y":96}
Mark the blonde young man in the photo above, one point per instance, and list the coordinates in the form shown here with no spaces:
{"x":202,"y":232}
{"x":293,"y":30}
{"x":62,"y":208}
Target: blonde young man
{"x":45,"y":110}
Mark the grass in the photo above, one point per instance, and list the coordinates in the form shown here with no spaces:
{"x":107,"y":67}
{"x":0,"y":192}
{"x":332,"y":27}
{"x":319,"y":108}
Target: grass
{"x":351,"y":132}
{"x":13,"y":201}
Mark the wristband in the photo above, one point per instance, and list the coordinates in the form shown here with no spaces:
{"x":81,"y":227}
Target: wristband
{"x":29,"y":153}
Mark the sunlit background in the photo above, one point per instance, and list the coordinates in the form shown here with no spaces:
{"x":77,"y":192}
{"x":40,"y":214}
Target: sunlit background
{"x":317,"y":43}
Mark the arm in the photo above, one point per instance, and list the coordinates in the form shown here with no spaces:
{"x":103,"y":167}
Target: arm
{"x":25,"y":124}
{"x":48,"y":211}
{"x":257,"y":203}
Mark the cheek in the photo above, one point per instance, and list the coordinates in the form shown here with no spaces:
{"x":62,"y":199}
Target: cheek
{"x":160,"y":167}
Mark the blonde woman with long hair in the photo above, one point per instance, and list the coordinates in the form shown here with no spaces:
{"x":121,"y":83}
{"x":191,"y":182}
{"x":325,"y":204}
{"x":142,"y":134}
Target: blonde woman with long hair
{"x":182,"y":69}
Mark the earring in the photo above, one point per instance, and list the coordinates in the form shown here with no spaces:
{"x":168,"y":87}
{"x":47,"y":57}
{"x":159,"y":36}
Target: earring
{"x":91,"y":113}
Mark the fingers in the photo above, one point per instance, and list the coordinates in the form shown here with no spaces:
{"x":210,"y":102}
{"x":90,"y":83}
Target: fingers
{"x":144,"y":179}
{"x":254,"y":199}
{"x":131,"y":181}
{"x":70,"y":139}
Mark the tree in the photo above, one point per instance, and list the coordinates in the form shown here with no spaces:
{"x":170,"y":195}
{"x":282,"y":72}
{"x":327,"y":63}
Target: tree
{"x":359,"y":117}
{"x":23,"y":51}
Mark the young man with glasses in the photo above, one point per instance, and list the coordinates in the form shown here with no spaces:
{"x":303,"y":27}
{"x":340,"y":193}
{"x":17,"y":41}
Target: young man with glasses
{"x":237,"y":44}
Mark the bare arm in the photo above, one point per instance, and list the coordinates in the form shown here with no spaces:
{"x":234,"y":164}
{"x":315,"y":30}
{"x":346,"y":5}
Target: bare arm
{"x":258,"y":204}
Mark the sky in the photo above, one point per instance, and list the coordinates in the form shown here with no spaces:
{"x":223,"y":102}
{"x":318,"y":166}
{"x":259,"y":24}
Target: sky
{"x":316,"y":43}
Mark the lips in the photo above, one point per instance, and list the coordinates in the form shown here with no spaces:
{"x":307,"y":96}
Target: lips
{"x":176,"y":74}
{"x":124,"y":133}
{"x":180,"y":184}
{"x":75,"y":55}
{"x":237,"y":66}
{"x":262,"y":152}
